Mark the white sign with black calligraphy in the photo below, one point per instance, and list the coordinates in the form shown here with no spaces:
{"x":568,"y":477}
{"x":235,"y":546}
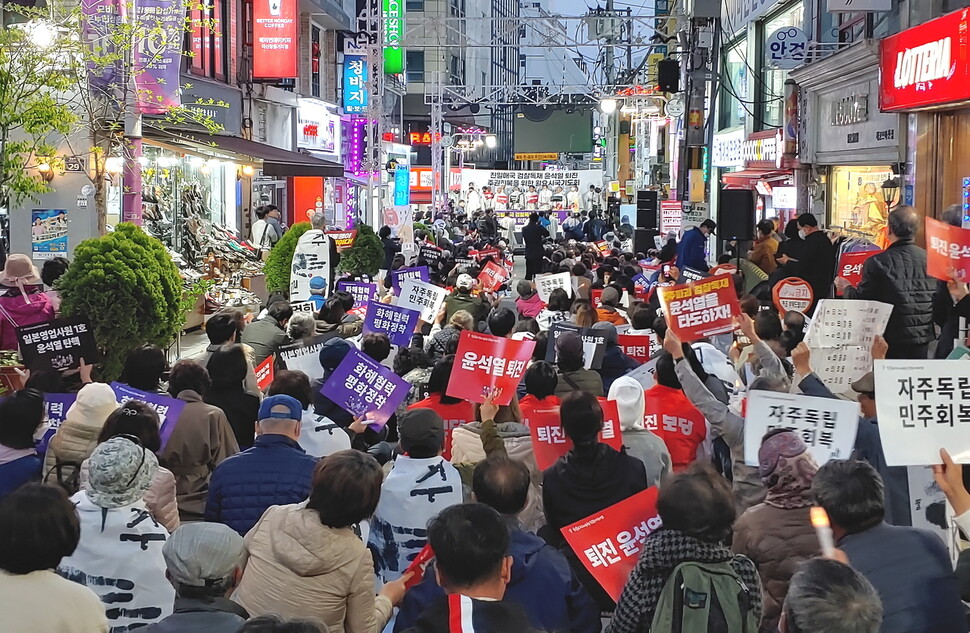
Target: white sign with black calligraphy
{"x":421,"y":296}
{"x":545,"y":284}
{"x":840,"y":337}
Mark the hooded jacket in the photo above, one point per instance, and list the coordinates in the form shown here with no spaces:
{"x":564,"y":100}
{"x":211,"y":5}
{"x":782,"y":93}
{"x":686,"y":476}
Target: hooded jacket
{"x":542,"y":583}
{"x":581,"y":483}
{"x":23,"y":310}
{"x":300,"y":568}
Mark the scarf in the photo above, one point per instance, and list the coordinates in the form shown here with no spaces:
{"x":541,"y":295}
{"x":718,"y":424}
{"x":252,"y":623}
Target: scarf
{"x":662,"y":551}
{"x":786,"y":468}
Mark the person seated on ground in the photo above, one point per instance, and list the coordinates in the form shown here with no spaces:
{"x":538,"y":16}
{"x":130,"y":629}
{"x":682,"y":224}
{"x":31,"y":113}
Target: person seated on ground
{"x":697,"y":511}
{"x":39,"y":527}
{"x":777,"y":535}
{"x":421,"y":484}
{"x":684,"y":429}
{"x":572,"y":374}
{"x":330,"y":320}
{"x":556,"y":310}
{"x":528,"y":304}
{"x":454,"y":412}
{"x":826,"y":596}
{"x":275,"y":624}
{"x":302,"y":326}
{"x":204,"y":562}
{"x":227,"y":368}
{"x":542,"y":581}
{"x":540,"y":387}
{"x":266,"y":335}
{"x":472,"y":563}
{"x":348,"y":302}
{"x":615,"y":361}
{"x":526,"y":329}
{"x":639,"y":441}
{"x":501,"y":322}
{"x":445,"y":340}
{"x":584,"y":314}
{"x":590,"y":477}
{"x":305,"y":559}
{"x":274,"y":471}
{"x":376,"y":345}
{"x":22,"y":414}
{"x":910,"y":568}
{"x":145,"y":369}
{"x":119,"y":555}
{"x":413,"y":365}
{"x":319,"y":436}
{"x":609,"y":309}
{"x":77,"y":435}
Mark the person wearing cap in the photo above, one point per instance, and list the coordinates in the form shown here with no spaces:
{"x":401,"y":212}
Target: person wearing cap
{"x":77,"y":435}
{"x":275,"y":471}
{"x":615,"y":361}
{"x":463,"y":299}
{"x":319,"y":436}
{"x":692,"y":249}
{"x":639,"y":441}
{"x":420,"y":485}
{"x":204,"y":562}
{"x":119,"y":555}
{"x":22,"y":299}
{"x":572,"y":373}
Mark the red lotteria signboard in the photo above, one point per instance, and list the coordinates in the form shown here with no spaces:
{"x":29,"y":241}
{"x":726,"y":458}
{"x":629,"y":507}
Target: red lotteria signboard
{"x":274,"y":39}
{"x":926,"y":65}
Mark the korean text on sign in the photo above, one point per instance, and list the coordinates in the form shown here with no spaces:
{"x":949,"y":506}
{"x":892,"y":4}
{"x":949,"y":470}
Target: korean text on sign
{"x":947,"y":250}
{"x":827,"y":425}
{"x":168,"y":409}
{"x":850,"y":265}
{"x":493,"y":276}
{"x":421,"y":296}
{"x":639,"y":347}
{"x":400,"y":275}
{"x":397,"y":322}
{"x":608,"y":543}
{"x":483,"y":362}
{"x":362,"y":293}
{"x":549,"y":441}
{"x":58,"y":345}
{"x":703,"y":308}
{"x":361,"y":386}
{"x":923,"y":406}
{"x":545,"y":284}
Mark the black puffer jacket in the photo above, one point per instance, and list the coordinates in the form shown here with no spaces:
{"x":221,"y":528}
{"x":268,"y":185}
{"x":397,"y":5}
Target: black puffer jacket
{"x":898,"y":276}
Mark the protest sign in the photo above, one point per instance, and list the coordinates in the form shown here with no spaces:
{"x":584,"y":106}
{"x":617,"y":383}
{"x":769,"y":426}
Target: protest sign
{"x":792,"y":294}
{"x":304,"y":355}
{"x":363,"y":293}
{"x":265,"y":373}
{"x":483,"y":362}
{"x":397,"y":322}
{"x":421,"y":296}
{"x":923,"y":406}
{"x":58,"y":344}
{"x":596,"y":297}
{"x":493,"y":276}
{"x":692,"y":274}
{"x":602,"y":247}
{"x":699,"y":309}
{"x":361,"y":386}
{"x":549,"y":441}
{"x":671,"y":217}
{"x":645,"y":374}
{"x":400,"y":275}
{"x":850,"y":265}
{"x":463,"y":263}
{"x":478,"y":256}
{"x":594,"y":344}
{"x":56,"y":405}
{"x":608,"y":542}
{"x":343,"y":239}
{"x":305,"y":306}
{"x":947,"y":251}
{"x":168,"y":409}
{"x":430,"y":255}
{"x":545,"y":284}
{"x":311,"y":260}
{"x":927,"y":505}
{"x":639,"y":347}
{"x":641,"y":282}
{"x":827,"y":425}
{"x":840,"y":337}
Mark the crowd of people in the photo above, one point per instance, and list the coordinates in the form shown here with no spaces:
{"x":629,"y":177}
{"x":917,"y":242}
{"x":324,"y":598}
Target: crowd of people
{"x":278,"y":510}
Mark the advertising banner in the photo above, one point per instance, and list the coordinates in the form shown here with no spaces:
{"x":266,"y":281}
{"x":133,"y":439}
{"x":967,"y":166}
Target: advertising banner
{"x":356,"y":73}
{"x":102,"y":19}
{"x":549,"y":441}
{"x":48,"y":233}
{"x":402,"y":183}
{"x":158,"y":55}
{"x":671,"y":216}
{"x":275,"y":39}
{"x":58,"y":344}
{"x":947,"y":251}
{"x":850,"y":265}
{"x":484,"y":362}
{"x":392,"y":12}
{"x":311,"y":266}
{"x":168,"y":409}
{"x":699,"y":309}
{"x":343,"y":239}
{"x":397,"y":322}
{"x":361,"y":386}
{"x":421,"y":296}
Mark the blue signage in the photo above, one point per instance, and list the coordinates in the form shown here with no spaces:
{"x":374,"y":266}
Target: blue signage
{"x":402,"y":185}
{"x":355,"y":84}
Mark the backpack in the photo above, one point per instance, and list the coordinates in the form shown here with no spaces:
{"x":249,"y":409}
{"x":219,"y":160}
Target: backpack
{"x":704,"y":598}
{"x":67,"y":475}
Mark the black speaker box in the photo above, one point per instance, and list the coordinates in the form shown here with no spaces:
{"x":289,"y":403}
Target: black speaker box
{"x":643,"y":240}
{"x":647,"y":207}
{"x":668,"y":75}
{"x":735,"y":214}
{"x":624,"y":127}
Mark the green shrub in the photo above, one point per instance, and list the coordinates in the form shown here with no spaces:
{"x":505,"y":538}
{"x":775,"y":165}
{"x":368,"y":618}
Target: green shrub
{"x":280,"y":260}
{"x":366,"y":256}
{"x":125,"y":285}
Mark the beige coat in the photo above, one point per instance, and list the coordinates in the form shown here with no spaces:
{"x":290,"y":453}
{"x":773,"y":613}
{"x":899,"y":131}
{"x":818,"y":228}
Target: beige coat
{"x":159,"y":498}
{"x":201,"y":440}
{"x":78,"y":434}
{"x":300,"y":568}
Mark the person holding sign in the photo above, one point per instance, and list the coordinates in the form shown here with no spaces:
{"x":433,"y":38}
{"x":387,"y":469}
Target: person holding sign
{"x":675,"y":419}
{"x":463,"y":299}
{"x":573,"y":376}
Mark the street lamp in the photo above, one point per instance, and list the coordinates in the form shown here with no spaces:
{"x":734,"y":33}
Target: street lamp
{"x":608,"y":106}
{"x":889,"y":189}
{"x":491,"y":141}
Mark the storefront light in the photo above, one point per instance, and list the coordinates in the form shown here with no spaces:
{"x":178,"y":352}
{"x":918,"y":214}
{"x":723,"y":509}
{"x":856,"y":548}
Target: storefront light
{"x":608,"y":106}
{"x":165,"y":161}
{"x":114,"y":164}
{"x":889,"y":190}
{"x":247,"y":170}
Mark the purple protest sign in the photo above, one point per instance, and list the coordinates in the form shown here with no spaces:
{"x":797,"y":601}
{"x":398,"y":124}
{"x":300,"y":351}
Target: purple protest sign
{"x":397,"y":322}
{"x":56,"y":405}
{"x":158,"y":54}
{"x":363,"y":293}
{"x":361,"y":386}
{"x":417,"y":272}
{"x":168,"y":409}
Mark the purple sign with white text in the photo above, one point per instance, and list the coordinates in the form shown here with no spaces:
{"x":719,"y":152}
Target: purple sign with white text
{"x":418,"y":272}
{"x":159,"y":54}
{"x":56,"y":405}
{"x":398,"y":323}
{"x":363,"y":293}
{"x":361,"y":386}
{"x":169,"y":409}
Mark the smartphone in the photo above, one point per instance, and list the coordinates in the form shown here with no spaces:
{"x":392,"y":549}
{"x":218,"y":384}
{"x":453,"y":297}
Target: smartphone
{"x":666,"y":270}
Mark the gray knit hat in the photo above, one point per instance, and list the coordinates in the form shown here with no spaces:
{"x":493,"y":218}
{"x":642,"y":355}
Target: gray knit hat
{"x":119,"y":472}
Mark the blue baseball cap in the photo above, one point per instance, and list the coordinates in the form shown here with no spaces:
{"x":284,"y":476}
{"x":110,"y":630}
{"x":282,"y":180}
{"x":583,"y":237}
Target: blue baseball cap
{"x":281,"y":407}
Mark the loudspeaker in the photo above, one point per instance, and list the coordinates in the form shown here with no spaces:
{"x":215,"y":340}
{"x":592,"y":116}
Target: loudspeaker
{"x":624,"y":127}
{"x":643,"y":240}
{"x":647,"y":207}
{"x":668,"y":75}
{"x":735,"y":214}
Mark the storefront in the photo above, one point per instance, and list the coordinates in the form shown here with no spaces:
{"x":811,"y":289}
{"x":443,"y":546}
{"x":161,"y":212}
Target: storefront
{"x":760,"y":164}
{"x":854,"y":148}
{"x":318,"y":133}
{"x":926,"y":72}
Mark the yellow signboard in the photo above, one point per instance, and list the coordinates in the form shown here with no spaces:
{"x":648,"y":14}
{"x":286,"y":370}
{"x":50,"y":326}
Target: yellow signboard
{"x":545,"y":156}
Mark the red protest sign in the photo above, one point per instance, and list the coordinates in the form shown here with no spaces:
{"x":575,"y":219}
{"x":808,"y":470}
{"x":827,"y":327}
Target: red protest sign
{"x":596,"y":297}
{"x":850,"y":265}
{"x":947,"y":251}
{"x":608,"y":542}
{"x":483,"y":361}
{"x":549,"y":442}
{"x":418,"y":566}
{"x":700,"y":308}
{"x":493,"y":276}
{"x":638,"y":346}
{"x":482,"y":254}
{"x":265,"y":373}
{"x":792,"y":293}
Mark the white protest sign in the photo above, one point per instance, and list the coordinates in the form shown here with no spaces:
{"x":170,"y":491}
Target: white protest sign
{"x":645,"y":374}
{"x":304,"y":356}
{"x":304,"y":306}
{"x":827,"y":425}
{"x":421,"y":296}
{"x":840,"y":338}
{"x":928,"y":507}
{"x":923,"y":406}
{"x":545,"y":284}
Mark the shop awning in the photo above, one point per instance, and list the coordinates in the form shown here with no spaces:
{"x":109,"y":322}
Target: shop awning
{"x":275,"y":161}
{"x":749,"y":178}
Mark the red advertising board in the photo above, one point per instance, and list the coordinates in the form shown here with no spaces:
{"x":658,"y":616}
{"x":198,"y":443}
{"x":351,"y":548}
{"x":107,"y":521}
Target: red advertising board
{"x":274,"y":39}
{"x":701,"y":308}
{"x":638,"y":346}
{"x":947,"y":251}
{"x":483,"y":361}
{"x":926,"y":65}
{"x":850,"y":265}
{"x":549,"y":442}
{"x":493,"y":276}
{"x":793,"y":294}
{"x":609,"y":542}
{"x":265,"y":373}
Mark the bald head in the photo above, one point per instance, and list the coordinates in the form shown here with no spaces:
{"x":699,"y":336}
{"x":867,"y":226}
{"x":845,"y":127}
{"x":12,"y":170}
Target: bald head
{"x":502,"y":483}
{"x":903,"y":223}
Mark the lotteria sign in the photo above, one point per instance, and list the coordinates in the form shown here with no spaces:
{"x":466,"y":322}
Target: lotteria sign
{"x":926,"y":65}
{"x":393,"y":32}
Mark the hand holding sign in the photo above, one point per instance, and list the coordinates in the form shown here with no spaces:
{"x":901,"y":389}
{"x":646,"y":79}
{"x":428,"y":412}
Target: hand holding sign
{"x":949,"y":477}
{"x":702,"y":308}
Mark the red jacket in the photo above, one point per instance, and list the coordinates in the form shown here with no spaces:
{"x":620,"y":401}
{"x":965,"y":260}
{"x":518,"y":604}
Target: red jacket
{"x":669,"y":414}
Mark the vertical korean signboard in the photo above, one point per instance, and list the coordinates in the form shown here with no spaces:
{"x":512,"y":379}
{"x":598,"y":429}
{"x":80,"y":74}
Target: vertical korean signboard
{"x":274,"y":39}
{"x":393,"y":12}
{"x":158,"y":55}
{"x":402,"y":185}
{"x":355,"y":80}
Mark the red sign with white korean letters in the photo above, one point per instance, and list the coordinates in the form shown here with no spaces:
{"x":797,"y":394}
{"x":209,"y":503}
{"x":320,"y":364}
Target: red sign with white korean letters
{"x":274,"y":39}
{"x":947,"y":251}
{"x":483,"y":361}
{"x":609,"y":542}
{"x":492,"y":277}
{"x":701,"y":308}
{"x":549,"y":441}
{"x":850,"y":265}
{"x":265,"y":373}
{"x":927,"y":64}
{"x":638,"y":346}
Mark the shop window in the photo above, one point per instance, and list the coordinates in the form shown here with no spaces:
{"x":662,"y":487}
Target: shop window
{"x":207,"y":43}
{"x":857,"y":202}
{"x":414,"y":5}
{"x":734,"y":87}
{"x":414,"y":63}
{"x":773,"y":79}
{"x":316,"y":48}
